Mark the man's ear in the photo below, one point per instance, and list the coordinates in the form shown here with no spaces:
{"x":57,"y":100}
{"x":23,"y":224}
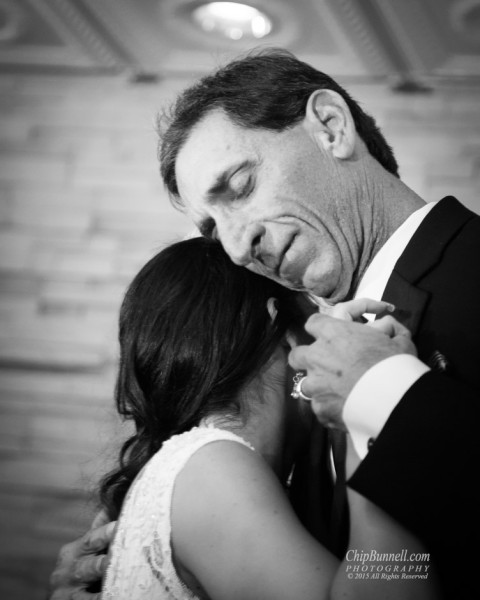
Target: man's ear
{"x":330,"y":120}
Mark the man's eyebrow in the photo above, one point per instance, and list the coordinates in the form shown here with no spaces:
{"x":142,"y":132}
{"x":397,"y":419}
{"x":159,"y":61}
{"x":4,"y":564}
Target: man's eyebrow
{"x":221,"y":184}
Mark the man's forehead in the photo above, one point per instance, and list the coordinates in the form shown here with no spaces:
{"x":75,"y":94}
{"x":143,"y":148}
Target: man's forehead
{"x":214,"y":145}
{"x":216,"y":128}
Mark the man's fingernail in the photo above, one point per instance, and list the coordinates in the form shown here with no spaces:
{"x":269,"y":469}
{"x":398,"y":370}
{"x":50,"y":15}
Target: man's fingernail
{"x":110,"y":530}
{"x":390,"y":307}
{"x":101,"y":564}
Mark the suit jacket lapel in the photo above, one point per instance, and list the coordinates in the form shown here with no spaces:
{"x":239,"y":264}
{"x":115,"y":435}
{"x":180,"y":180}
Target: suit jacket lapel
{"x":423,"y":252}
{"x":409,"y":301}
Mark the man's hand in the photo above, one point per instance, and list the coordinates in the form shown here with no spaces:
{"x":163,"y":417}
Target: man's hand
{"x":353,"y":310}
{"x":82,"y":563}
{"x":342,"y":352}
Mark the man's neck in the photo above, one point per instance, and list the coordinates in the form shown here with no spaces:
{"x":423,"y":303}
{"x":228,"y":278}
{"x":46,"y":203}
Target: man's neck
{"x":391,"y":202}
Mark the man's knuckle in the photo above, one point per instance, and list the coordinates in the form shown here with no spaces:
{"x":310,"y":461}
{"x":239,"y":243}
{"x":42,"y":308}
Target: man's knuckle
{"x":297,"y":358}
{"x":339,"y":312}
{"x":66,"y":552}
{"x":81,"y":569}
{"x":292,"y":362}
{"x":87,"y":542}
{"x":88,"y":569}
{"x":56,"y":578}
{"x":293,"y":354}
{"x":78,"y":574}
{"x":96,"y":544}
{"x":313,"y":322}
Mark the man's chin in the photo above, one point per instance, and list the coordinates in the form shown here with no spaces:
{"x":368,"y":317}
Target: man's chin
{"x":294,"y":286}
{"x":323,"y":288}
{"x":320,"y":291}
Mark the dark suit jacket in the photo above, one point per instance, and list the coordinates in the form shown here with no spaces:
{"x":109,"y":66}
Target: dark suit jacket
{"x":423,"y":467}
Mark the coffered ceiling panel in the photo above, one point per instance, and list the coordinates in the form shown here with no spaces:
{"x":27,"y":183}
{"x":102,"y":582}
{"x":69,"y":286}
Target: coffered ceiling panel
{"x":160,"y":37}
{"x":432,"y":37}
{"x":54,"y":34}
{"x":409,"y":39}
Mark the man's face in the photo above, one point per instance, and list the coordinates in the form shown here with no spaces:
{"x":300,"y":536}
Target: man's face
{"x":278,"y":202}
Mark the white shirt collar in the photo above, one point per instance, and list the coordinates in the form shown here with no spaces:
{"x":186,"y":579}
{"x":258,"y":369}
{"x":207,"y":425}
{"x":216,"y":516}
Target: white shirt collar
{"x":375,"y":278}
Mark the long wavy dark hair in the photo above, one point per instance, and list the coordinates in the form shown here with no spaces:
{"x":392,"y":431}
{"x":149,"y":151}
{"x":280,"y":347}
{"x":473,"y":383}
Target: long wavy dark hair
{"x":194,"y":330}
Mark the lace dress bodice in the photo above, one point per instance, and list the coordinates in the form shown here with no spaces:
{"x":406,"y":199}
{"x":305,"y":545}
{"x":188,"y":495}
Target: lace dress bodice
{"x":141,"y":566}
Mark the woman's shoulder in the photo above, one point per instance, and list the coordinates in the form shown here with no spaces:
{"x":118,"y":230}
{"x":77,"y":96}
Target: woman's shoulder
{"x":178,"y":450}
{"x":197,"y":437}
{"x":220,"y":462}
{"x":221,"y":479}
{"x":231,"y":521}
{"x":216,"y":464}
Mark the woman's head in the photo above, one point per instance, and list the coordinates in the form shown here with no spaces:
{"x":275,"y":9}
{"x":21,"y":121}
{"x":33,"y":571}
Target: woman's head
{"x":194,"y":331}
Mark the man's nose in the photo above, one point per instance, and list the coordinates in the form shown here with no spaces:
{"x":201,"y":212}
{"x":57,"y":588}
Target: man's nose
{"x":242,"y":242}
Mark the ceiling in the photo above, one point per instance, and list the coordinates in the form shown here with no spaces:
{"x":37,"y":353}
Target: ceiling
{"x":408,"y":41}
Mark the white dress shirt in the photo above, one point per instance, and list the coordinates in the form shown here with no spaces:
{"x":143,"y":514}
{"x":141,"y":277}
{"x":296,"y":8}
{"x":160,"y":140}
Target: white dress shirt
{"x":379,"y":390}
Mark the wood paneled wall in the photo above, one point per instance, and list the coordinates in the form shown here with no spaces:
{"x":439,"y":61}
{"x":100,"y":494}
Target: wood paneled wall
{"x":81,"y":209}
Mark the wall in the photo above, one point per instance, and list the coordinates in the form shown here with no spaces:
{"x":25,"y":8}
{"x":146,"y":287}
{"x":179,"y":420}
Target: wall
{"x":81,"y":209}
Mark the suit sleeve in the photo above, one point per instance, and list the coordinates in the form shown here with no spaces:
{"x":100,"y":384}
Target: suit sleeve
{"x":422,"y":468}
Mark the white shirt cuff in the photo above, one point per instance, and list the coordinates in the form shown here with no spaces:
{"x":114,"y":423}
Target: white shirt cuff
{"x":376,"y":394}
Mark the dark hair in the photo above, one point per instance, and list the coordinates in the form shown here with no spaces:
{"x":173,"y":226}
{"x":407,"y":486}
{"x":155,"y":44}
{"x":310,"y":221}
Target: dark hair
{"x":266,"y":89}
{"x":194,"y":329}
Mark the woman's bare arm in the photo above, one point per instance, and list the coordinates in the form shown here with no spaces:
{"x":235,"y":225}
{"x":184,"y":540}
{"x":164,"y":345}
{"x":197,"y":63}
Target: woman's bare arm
{"x":234,"y":530}
{"x":235,"y":533}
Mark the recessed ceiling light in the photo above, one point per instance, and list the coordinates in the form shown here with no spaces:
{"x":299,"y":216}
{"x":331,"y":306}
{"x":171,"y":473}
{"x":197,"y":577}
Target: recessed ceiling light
{"x":232,"y":20}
